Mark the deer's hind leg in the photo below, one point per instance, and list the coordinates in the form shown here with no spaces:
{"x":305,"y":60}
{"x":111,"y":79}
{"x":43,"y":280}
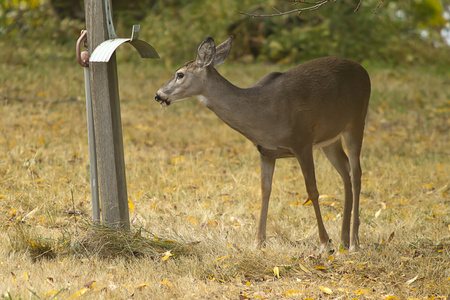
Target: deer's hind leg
{"x":305,"y":158}
{"x":353,"y":139}
{"x":336,"y":155}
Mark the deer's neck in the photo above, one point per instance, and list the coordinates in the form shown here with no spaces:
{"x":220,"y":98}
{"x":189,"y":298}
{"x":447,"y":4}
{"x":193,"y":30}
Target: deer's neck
{"x":241,"y":109}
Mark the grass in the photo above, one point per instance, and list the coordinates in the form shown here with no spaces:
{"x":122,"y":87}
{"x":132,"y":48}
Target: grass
{"x":194,"y":187}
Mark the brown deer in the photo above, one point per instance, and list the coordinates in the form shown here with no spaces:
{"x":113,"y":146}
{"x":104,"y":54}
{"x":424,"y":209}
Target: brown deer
{"x":288,"y":115}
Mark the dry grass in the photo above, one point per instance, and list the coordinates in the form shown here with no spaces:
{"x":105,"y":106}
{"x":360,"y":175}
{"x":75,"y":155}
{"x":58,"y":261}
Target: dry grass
{"x":194,"y":181}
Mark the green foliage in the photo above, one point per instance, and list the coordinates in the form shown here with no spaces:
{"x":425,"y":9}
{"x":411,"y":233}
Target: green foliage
{"x":176,"y":27}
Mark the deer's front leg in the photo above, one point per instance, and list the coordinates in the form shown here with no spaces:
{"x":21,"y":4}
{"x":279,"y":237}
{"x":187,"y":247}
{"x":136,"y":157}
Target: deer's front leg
{"x":267,"y":168}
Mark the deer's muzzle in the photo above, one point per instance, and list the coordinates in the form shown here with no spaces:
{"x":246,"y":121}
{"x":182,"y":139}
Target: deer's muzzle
{"x":161,"y":100}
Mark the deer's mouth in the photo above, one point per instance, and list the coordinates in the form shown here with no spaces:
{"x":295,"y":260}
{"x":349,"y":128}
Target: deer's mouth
{"x":162,"y":101}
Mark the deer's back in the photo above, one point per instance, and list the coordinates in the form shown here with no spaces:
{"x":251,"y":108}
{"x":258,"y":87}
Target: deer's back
{"x":322,"y":96}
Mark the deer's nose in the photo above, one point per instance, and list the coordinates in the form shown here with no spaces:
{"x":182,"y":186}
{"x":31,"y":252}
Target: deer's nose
{"x":158,"y":97}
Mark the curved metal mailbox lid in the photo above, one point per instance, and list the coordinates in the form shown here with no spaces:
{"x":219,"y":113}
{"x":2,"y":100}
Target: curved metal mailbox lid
{"x":105,"y":50}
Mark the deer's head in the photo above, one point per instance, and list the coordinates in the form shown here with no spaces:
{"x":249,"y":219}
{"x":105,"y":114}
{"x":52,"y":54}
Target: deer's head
{"x":188,"y":81}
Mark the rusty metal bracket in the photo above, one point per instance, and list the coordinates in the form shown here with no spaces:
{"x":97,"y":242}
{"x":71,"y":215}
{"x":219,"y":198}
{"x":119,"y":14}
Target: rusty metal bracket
{"x":82,"y":57}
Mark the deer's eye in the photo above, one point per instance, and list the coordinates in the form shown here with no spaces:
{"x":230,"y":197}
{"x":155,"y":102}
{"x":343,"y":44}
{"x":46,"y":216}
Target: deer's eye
{"x":180,"y":75}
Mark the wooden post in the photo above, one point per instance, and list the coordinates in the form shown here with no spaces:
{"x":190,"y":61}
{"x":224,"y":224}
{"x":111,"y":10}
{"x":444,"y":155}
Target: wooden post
{"x":107,"y":122}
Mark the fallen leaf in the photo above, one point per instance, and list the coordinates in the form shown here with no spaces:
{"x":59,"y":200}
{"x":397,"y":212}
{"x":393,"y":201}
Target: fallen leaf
{"x":320,"y":268}
{"x":390,"y":298}
{"x":291,"y":293}
{"x":222,"y":257}
{"x":25,"y":275}
{"x":193,"y":221}
{"x":361,"y":291}
{"x":391,"y":237}
{"x":90,"y":284}
{"x":326,"y":196}
{"x":304,"y":268}
{"x":412,"y":280}
{"x":166,"y":256}
{"x":130,"y":204}
{"x":142,"y":285}
{"x":276,"y":272}
{"x":166,"y":283}
{"x":377,"y":214}
{"x":308,"y":202}
{"x":50,"y":293}
{"x":326,"y":290}
{"x":80,"y":292}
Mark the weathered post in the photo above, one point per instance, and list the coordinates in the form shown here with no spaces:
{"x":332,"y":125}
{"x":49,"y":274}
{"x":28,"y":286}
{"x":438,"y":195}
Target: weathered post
{"x":107,"y":121}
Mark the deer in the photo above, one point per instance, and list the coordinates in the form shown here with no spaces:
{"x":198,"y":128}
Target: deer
{"x":316,"y":104}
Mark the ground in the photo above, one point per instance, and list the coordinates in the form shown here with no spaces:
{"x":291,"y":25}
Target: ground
{"x":194,"y":183}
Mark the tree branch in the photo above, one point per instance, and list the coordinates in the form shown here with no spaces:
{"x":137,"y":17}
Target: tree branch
{"x":378,"y":6}
{"x":315,"y":6}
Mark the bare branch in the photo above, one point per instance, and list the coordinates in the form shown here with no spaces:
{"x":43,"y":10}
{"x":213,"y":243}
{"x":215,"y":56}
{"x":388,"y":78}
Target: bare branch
{"x":359,"y":5}
{"x":315,"y":6}
{"x":378,"y":6}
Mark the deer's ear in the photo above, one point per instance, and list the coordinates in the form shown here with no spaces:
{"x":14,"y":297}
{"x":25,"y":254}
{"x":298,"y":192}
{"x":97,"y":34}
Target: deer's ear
{"x":222,"y":51}
{"x":206,"y":52}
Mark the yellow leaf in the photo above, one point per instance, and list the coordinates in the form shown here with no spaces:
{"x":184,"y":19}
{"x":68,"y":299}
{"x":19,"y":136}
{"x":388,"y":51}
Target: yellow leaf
{"x":177,"y":159}
{"x":276,"y":272}
{"x":1,"y":196}
{"x":201,"y":286}
{"x":166,"y":256}
{"x":320,"y":268}
{"x":326,"y":196}
{"x":222,"y":257}
{"x":90,"y":284}
{"x":304,"y":268}
{"x":193,"y":221}
{"x":390,"y":298}
{"x":224,"y":198}
{"x":248,"y":283}
{"x":331,"y":258}
{"x":25,"y":275}
{"x":361,"y":291}
{"x":142,"y":285}
{"x":166,"y":283}
{"x":291,"y":293}
{"x":130,"y":204}
{"x":308,"y":202}
{"x":50,"y":293}
{"x":80,"y":292}
{"x":326,"y":290}
{"x":212,"y":223}
{"x":412,"y":280}
{"x":14,"y":211}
